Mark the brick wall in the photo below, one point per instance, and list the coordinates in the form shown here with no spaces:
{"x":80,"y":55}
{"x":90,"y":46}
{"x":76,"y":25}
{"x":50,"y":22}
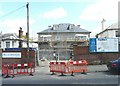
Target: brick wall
{"x":23,"y":58}
{"x":82,"y":52}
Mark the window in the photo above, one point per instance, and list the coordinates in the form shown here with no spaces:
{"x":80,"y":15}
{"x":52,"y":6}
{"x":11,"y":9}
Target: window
{"x":12,"y":43}
{"x":57,"y":38}
{"x":7,"y":44}
{"x":83,"y":37}
{"x":117,"y":34}
{"x":0,"y":45}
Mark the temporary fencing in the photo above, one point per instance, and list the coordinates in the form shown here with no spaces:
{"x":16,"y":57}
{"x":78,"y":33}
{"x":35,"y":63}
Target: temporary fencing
{"x":69,"y":67}
{"x":16,"y":69}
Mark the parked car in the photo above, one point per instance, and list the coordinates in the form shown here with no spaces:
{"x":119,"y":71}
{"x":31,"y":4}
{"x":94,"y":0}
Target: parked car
{"x":114,"y":66}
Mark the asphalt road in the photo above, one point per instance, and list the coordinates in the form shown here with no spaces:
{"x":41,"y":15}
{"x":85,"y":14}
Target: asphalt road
{"x":97,"y":74}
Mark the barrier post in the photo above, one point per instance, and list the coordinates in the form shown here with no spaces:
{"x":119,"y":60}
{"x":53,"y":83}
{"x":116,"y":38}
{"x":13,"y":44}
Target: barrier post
{"x":6,"y":70}
{"x":31,"y":67}
{"x":72,"y":73}
{"x":2,"y":70}
{"x":13,"y":72}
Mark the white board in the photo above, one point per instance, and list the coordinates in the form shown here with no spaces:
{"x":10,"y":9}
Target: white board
{"x":11,"y":55}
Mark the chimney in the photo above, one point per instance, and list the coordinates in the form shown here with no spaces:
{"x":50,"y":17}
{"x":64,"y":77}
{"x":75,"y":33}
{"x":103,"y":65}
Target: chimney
{"x":102,"y":22}
{"x":49,"y":27}
{"x":54,"y":26}
{"x":20,"y":36}
{"x":78,"y":26}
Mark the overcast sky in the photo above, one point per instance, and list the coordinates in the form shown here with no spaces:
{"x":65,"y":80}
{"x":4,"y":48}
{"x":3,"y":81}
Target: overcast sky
{"x":87,"y":13}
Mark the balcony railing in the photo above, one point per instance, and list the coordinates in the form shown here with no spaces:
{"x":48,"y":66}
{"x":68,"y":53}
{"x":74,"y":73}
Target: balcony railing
{"x":62,"y":39}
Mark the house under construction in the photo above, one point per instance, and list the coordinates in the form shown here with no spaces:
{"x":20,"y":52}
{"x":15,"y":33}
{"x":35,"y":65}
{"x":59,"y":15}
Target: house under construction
{"x":58,"y":40}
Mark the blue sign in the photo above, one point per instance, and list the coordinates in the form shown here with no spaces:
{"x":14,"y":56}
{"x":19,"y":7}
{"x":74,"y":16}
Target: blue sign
{"x":103,"y":45}
{"x":92,"y":43}
{"x":13,"y":49}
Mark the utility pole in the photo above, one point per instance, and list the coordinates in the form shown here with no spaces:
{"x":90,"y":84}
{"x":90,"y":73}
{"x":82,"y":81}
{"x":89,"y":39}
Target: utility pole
{"x":27,"y":6}
{"x":119,"y":35}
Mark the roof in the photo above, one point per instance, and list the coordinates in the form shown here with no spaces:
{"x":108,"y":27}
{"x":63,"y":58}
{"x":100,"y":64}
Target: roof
{"x":8,"y":35}
{"x":15,"y":37}
{"x":114,"y":26}
{"x":64,"y":28}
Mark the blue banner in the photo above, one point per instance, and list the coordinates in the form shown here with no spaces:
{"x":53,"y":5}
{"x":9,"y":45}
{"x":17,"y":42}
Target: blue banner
{"x":92,"y":46}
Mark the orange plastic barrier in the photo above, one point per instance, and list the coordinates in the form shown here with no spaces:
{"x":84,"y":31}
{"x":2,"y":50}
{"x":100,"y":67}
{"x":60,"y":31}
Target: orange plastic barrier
{"x":58,"y":67}
{"x":69,"y":67}
{"x":16,"y":69}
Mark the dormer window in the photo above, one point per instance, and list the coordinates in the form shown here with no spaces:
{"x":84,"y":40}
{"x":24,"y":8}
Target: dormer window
{"x":68,"y":28}
{"x":52,"y":28}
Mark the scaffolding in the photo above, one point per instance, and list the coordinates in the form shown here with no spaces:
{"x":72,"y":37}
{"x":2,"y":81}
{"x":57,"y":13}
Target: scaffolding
{"x":61,"y":49}
{"x":56,"y":43}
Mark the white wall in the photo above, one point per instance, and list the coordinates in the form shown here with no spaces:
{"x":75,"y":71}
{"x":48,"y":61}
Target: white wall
{"x":33,"y":45}
{"x":108,"y":34}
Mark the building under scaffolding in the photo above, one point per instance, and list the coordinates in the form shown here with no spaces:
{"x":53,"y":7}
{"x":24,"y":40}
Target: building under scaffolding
{"x":57,"y":41}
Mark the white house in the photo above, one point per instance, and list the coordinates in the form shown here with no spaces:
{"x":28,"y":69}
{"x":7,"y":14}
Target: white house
{"x":59,"y":39}
{"x":11,"y":40}
{"x":112,"y":31}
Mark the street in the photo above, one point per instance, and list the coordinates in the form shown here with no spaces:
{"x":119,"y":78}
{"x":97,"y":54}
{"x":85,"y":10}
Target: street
{"x":78,"y":39}
{"x":97,"y":74}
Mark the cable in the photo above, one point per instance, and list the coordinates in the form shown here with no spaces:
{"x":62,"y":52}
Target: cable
{"x":12,"y":12}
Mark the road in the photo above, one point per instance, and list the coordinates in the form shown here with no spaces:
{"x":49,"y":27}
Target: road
{"x":97,"y":74}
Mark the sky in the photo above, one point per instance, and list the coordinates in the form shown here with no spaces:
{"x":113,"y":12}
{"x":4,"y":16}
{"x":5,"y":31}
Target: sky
{"x":86,"y":13}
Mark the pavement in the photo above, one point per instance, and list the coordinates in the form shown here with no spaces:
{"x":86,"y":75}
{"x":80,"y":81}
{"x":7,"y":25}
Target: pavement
{"x":97,"y":68}
{"x":96,"y":73}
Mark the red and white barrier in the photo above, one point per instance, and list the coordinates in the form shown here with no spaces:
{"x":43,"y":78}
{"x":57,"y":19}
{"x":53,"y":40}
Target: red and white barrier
{"x":57,"y":67}
{"x":16,"y":69}
{"x":69,"y":67}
